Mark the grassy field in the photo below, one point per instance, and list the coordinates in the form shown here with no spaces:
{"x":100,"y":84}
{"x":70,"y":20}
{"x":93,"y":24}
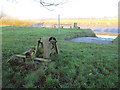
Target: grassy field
{"x":79,"y":65}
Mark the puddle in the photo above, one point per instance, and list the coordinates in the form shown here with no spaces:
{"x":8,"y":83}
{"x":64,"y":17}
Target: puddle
{"x":97,"y":40}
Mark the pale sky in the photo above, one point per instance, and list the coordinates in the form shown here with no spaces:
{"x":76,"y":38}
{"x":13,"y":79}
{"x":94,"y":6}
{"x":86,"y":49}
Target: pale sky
{"x":28,"y":9}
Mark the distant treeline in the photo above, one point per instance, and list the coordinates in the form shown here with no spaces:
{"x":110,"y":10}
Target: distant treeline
{"x":81,"y":23}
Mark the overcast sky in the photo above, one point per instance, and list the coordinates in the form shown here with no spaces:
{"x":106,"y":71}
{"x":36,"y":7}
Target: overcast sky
{"x":28,"y":9}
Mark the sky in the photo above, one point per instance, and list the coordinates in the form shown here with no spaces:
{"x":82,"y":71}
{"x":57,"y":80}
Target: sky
{"x":30,"y":10}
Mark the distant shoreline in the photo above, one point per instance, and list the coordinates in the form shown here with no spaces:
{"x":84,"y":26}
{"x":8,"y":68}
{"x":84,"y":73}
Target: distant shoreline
{"x":107,"y":34}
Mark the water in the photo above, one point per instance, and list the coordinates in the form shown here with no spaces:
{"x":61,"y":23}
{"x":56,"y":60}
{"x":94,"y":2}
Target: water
{"x":100,"y":39}
{"x":105,"y":36}
{"x":36,"y":25}
{"x":97,"y":40}
{"x":106,"y":30}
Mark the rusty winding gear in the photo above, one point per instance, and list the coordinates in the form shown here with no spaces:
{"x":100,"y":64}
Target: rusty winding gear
{"x":30,"y":53}
{"x":45,"y":49}
{"x":48,"y":47}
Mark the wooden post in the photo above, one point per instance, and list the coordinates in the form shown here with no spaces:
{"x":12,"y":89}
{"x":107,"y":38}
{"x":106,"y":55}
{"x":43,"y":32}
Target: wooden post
{"x":58,"y":24}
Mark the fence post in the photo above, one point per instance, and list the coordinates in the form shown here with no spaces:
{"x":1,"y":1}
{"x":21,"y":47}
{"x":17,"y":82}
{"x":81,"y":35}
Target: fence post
{"x":58,"y":24}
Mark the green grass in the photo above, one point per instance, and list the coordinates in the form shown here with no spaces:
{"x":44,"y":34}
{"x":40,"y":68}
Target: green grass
{"x":80,"y":65}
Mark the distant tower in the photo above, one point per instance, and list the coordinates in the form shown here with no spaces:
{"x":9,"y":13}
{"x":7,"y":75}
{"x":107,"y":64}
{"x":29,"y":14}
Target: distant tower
{"x":75,"y":25}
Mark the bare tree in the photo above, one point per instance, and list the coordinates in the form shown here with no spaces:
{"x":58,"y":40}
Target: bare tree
{"x":46,"y":3}
{"x":2,"y":14}
{"x":49,"y":3}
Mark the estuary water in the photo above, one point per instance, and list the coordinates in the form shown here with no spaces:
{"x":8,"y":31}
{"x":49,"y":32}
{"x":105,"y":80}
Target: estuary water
{"x":99,"y":39}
